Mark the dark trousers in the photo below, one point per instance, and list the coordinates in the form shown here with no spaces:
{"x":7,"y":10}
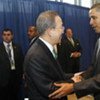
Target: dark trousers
{"x":11,"y":90}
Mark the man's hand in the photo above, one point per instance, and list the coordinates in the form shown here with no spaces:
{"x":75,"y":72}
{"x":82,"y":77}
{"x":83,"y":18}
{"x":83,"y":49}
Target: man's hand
{"x":64,"y":89}
{"x":77,"y":78}
{"x":75,"y":54}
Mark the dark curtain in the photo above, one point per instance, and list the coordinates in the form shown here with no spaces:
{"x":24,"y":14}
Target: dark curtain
{"x":19,"y":14}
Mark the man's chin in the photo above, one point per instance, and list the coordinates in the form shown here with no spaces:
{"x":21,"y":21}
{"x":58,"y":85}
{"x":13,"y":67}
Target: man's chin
{"x":97,"y":31}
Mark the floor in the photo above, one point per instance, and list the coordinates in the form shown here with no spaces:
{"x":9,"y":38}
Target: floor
{"x":73,"y":97}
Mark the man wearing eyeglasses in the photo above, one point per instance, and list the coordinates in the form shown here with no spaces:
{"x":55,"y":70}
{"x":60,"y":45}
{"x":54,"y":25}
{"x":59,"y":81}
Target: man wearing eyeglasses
{"x":41,"y":66}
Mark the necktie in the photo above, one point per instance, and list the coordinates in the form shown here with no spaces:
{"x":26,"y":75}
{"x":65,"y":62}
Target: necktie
{"x":9,"y":51}
{"x":10,"y":57}
{"x":55,"y":53}
{"x":72,"y":42}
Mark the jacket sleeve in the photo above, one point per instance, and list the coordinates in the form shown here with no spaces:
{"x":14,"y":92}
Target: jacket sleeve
{"x":88,"y":86}
{"x":88,"y":73}
{"x":40,"y":76}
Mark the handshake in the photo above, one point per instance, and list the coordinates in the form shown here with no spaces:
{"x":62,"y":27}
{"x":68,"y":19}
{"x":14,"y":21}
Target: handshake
{"x":65,"y":88}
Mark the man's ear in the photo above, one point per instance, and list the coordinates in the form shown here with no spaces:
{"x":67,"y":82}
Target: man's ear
{"x":12,"y":37}
{"x":50,"y":32}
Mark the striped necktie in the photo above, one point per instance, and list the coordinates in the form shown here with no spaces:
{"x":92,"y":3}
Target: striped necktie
{"x":9,"y":51}
{"x":10,"y":57}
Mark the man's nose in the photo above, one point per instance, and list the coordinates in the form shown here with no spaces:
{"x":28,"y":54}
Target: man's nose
{"x":91,"y":22}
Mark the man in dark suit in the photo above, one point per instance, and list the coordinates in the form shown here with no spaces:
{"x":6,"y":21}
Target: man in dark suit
{"x":69,"y":53}
{"x":91,"y":85}
{"x":41,"y":67}
{"x":32,"y":34}
{"x":11,"y":60}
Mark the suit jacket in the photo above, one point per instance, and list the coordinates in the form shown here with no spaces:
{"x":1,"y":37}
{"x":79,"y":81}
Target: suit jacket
{"x":5,"y":67}
{"x":41,"y":71}
{"x":89,"y":86}
{"x":93,"y":70}
{"x":69,"y":64}
{"x":33,"y":40}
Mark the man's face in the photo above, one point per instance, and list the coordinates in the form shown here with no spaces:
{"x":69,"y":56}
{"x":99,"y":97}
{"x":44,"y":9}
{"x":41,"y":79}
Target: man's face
{"x":69,"y":33}
{"x":31,"y":32}
{"x":58,"y":30}
{"x":7,"y":36}
{"x":95,"y":20}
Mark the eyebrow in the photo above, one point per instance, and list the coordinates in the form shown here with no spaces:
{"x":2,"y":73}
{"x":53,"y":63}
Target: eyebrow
{"x":6,"y":34}
{"x":93,"y":16}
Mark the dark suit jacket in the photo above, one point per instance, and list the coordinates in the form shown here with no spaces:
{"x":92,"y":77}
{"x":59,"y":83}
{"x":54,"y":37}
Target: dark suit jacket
{"x":42,"y":70}
{"x":94,"y":69}
{"x":69,"y":64}
{"x":89,"y":86}
{"x":5,"y":67}
{"x":33,"y":40}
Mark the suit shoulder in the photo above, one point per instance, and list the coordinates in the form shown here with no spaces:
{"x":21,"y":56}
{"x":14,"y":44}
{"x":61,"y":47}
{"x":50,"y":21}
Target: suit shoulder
{"x":16,"y":45}
{"x":1,"y":45}
{"x":75,"y":39}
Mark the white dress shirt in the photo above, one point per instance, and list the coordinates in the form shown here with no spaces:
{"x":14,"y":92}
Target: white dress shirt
{"x":98,"y":47}
{"x":12,"y":54}
{"x":50,"y":47}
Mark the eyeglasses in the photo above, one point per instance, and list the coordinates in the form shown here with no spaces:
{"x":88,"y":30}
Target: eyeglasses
{"x":63,"y":27}
{"x":60,"y":28}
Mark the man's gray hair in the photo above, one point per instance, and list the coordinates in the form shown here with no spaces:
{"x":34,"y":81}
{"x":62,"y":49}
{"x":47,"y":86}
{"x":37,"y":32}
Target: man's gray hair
{"x":46,"y":20}
{"x":96,"y":6}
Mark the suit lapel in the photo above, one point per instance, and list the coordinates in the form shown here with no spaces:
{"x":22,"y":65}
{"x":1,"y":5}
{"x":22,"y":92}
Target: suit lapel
{"x":15,"y":51}
{"x":98,"y":57}
{"x":95,"y":53}
{"x":48,"y":52}
{"x":4,"y":51}
{"x":56,"y":63}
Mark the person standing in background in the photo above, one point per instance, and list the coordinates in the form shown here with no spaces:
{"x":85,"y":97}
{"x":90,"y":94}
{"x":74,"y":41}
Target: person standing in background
{"x":69,"y":53}
{"x":11,"y":70}
{"x":32,"y":34}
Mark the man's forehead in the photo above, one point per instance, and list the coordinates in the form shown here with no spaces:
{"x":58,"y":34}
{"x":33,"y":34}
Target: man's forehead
{"x":6,"y":32}
{"x":92,"y":12}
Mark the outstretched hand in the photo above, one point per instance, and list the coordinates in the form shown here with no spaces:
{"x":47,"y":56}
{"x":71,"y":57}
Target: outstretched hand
{"x":77,"y":78}
{"x":64,"y":89}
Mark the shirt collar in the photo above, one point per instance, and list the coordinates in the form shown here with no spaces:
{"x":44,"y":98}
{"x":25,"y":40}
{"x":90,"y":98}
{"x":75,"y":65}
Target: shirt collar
{"x":50,"y":47}
{"x":5,"y":43}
